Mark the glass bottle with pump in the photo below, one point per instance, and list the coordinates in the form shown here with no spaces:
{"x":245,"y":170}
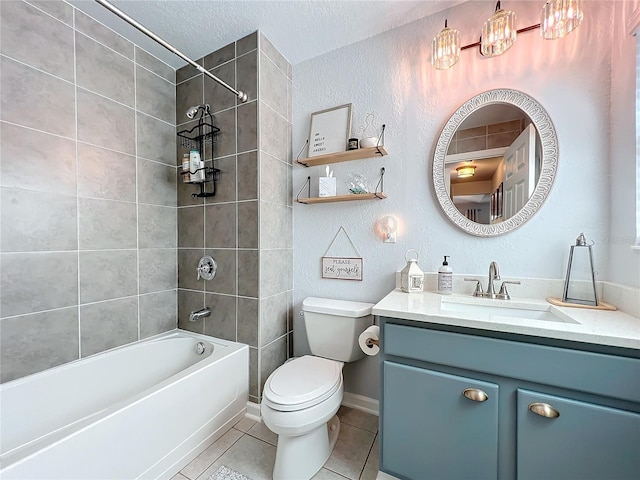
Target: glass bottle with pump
{"x":445,"y":278}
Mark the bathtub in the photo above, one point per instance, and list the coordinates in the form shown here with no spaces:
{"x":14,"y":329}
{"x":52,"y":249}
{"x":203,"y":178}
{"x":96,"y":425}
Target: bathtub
{"x":138,"y":411}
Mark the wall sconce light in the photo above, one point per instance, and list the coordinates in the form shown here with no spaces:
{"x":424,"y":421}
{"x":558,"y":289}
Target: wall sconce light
{"x":560,"y":17}
{"x":557,"y":19}
{"x":498,"y":33}
{"x":389,"y":227}
{"x":466,"y":171}
{"x":446,"y":48}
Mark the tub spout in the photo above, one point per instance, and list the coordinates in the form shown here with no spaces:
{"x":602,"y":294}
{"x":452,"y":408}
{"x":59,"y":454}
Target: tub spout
{"x":205,"y":312}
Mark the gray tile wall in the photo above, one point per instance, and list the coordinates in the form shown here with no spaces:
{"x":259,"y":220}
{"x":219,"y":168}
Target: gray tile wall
{"x":247,"y":226}
{"x":275,"y":211}
{"x":88,"y":217}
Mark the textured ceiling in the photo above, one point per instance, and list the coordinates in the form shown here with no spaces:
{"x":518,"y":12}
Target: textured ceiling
{"x":300,"y":29}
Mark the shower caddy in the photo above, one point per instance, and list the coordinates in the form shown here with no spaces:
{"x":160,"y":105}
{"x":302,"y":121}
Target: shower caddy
{"x":203,"y":135}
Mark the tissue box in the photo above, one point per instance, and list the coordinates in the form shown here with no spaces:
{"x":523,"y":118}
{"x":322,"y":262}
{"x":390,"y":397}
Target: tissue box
{"x":327,"y":186}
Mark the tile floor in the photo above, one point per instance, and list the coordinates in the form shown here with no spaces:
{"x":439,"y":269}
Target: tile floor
{"x":250,"y":448}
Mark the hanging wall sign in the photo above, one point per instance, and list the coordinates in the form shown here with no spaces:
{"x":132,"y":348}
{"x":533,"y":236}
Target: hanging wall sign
{"x":341,"y":267}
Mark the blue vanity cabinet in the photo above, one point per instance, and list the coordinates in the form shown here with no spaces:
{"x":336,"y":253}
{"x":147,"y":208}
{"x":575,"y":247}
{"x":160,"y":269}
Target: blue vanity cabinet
{"x":551,"y":411}
{"x":584,"y":440}
{"x":445,"y":426}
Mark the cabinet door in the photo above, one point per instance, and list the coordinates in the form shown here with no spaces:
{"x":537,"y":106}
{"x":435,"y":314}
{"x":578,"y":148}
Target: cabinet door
{"x":431,"y":430}
{"x":586,"y":441}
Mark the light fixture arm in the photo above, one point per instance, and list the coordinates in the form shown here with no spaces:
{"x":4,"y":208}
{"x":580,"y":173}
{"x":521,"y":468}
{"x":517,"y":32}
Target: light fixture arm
{"x":479,"y":42}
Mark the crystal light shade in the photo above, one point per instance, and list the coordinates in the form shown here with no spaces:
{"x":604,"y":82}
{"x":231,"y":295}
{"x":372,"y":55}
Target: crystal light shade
{"x":559,"y":17}
{"x":445,"y":50}
{"x":498,"y":33}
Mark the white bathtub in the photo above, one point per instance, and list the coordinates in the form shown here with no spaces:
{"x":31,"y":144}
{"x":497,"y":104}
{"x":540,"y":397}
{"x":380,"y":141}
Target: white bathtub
{"x":138,"y":411}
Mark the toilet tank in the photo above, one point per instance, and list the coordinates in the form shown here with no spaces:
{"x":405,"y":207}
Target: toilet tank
{"x":333,"y":327}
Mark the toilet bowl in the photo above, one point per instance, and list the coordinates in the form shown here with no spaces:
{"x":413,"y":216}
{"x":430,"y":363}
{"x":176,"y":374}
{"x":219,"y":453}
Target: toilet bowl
{"x":301,"y":398}
{"x":299,"y":404}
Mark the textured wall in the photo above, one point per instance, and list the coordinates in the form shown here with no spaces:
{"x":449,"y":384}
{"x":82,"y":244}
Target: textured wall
{"x":247,"y":226}
{"x":390,"y":74}
{"x":625,"y":183}
{"x":88,"y":183}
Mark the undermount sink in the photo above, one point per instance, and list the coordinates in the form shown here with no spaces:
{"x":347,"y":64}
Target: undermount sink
{"x":496,"y":311}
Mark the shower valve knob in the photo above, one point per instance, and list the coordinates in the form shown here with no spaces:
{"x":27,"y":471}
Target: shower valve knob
{"x":207,"y":268}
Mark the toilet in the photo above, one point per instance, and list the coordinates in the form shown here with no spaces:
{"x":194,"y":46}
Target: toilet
{"x":301,"y":398}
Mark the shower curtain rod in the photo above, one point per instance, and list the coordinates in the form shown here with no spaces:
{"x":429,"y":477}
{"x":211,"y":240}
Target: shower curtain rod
{"x":240,"y":94}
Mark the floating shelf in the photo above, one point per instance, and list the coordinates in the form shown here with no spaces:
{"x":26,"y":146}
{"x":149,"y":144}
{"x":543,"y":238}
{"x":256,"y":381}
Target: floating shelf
{"x":346,"y":156}
{"x":377,"y":195}
{"x":343,"y":198}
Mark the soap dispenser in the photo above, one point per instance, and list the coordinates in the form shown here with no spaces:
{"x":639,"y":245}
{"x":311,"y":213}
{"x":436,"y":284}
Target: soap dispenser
{"x":445,"y":278}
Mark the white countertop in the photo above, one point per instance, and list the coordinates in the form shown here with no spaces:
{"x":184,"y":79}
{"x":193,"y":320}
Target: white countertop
{"x":612,"y":328}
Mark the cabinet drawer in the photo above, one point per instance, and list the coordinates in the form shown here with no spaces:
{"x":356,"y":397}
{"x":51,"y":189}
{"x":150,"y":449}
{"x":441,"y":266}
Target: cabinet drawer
{"x":608,"y":375}
{"x":431,"y":430}
{"x":585,"y":441}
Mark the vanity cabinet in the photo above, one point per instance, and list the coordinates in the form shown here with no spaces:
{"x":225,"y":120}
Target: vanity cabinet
{"x":585,"y":441}
{"x":460,"y":404}
{"x":466,"y":429}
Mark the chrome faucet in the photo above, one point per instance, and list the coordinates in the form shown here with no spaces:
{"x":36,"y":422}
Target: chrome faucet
{"x":194,"y":316}
{"x":494,"y":274}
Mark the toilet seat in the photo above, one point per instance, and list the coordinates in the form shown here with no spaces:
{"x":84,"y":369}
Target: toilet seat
{"x":302,"y":383}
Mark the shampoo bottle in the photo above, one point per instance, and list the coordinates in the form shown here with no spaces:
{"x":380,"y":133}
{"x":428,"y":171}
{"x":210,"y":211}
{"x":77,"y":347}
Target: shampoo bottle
{"x":195,"y":165}
{"x":445,"y":278}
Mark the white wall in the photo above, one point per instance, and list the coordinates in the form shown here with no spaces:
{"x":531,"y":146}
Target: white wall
{"x":391,"y":75}
{"x":624,"y":264}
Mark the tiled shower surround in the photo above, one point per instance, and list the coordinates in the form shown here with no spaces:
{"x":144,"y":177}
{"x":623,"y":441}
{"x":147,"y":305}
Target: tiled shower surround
{"x":247,"y":226}
{"x":88,"y":178}
{"x":90,"y":214}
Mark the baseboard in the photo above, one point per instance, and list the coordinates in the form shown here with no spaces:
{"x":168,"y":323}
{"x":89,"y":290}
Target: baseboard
{"x":385,"y":476}
{"x":360,"y":402}
{"x":253,"y":412}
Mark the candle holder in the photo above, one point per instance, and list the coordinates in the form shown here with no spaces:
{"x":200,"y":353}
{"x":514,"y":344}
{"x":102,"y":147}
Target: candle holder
{"x":574,"y":290}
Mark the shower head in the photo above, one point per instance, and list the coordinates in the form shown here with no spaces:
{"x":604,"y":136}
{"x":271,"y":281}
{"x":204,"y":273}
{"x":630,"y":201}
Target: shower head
{"x":193,"y":111}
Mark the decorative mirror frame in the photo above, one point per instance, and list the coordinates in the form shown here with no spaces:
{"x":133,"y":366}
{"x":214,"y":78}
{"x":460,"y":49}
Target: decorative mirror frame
{"x":548,"y":138}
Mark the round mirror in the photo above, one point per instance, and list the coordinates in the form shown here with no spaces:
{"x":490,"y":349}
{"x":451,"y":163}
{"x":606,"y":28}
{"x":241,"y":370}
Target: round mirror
{"x":495,"y":162}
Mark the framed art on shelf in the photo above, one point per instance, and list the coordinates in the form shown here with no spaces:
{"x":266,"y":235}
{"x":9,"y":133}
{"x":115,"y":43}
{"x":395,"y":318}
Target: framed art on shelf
{"x":329,"y":130}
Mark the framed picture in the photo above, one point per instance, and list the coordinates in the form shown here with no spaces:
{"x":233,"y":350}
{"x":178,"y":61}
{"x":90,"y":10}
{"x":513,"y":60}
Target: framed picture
{"x":329,"y":130}
{"x":342,"y":268}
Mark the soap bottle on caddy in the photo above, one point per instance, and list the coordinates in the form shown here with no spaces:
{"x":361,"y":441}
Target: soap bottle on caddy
{"x":196,"y":166}
{"x":445,"y":278}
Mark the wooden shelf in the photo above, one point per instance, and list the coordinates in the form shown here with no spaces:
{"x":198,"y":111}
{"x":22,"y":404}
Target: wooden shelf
{"x":346,"y":156}
{"x":343,"y":198}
